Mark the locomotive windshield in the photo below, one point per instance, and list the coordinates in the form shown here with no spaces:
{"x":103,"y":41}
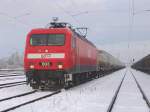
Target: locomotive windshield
{"x":47,"y":39}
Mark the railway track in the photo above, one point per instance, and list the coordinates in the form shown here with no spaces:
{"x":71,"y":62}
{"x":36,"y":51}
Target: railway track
{"x":110,"y":107}
{"x":3,"y":75}
{"x":6,"y":85}
{"x":11,"y":70}
{"x":141,"y":90}
{"x":28,"y":102}
{"x":31,"y":101}
{"x":19,"y":95}
{"x":14,"y":98}
{"x":18,"y":73}
{"x":12,"y":78}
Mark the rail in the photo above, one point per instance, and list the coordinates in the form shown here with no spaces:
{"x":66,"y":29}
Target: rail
{"x":20,"y":95}
{"x":142,"y":92}
{"x":116,"y":94}
{"x":19,"y":69}
{"x":6,"y":85}
{"x":31,"y":101}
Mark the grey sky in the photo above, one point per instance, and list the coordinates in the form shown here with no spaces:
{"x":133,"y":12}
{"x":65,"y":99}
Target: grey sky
{"x":108,"y":20}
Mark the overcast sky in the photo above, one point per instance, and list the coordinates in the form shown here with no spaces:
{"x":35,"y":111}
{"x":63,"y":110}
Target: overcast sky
{"x":109,"y":23}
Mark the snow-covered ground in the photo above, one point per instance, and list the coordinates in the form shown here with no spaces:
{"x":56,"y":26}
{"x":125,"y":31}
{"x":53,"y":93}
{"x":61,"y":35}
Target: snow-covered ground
{"x":144,"y":81}
{"x":12,"y":91}
{"x":11,"y":72}
{"x":12,"y":81}
{"x":129,"y":98}
{"x":93,"y":96}
{"x":19,"y":100}
{"x":11,"y":78}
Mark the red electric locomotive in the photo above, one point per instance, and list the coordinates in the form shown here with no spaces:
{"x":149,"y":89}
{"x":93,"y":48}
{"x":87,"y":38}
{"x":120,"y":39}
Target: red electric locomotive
{"x":58,"y":57}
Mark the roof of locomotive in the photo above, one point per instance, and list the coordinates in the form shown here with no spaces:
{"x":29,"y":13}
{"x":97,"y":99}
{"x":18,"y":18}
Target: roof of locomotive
{"x":42,"y":30}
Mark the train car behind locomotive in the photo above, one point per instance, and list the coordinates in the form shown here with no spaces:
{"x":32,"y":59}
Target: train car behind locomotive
{"x":58,"y":56}
{"x":108,"y":63}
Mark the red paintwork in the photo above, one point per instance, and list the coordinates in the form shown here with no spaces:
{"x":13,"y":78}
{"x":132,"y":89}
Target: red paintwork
{"x":83,"y":54}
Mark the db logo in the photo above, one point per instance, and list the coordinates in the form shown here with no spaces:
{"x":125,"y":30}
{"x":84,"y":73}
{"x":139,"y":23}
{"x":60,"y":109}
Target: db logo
{"x":45,"y":56}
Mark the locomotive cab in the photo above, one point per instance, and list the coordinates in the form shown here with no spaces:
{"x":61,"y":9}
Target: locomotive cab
{"x":47,"y":56}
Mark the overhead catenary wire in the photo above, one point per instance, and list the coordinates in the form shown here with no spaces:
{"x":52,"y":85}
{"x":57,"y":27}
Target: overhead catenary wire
{"x":80,"y":13}
{"x":73,"y":3}
{"x":15,"y":18}
{"x":141,"y":11}
{"x":132,"y":14}
{"x":71,"y":15}
{"x":66,"y":12}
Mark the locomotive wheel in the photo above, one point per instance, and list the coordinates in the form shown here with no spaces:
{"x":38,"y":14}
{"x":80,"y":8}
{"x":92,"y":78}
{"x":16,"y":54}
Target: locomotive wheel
{"x":67,"y":85}
{"x":35,"y":86}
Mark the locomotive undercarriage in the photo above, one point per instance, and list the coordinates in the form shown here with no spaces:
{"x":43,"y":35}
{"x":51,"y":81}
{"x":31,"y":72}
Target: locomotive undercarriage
{"x":45,"y":79}
{"x":56,"y":80}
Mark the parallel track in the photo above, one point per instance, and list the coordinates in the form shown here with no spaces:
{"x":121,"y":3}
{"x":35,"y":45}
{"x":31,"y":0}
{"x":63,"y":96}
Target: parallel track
{"x":20,"y":95}
{"x":11,"y":83}
{"x":10,"y":70}
{"x":24,"y":94}
{"x":142,"y":92}
{"x":115,"y":95}
{"x":31,"y":101}
{"x":11,"y":78}
{"x":28,"y":102}
{"x":6,"y":85}
{"x":3,"y":75}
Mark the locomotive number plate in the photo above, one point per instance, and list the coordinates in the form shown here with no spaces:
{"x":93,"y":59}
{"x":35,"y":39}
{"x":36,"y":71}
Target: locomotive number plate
{"x":45,"y":64}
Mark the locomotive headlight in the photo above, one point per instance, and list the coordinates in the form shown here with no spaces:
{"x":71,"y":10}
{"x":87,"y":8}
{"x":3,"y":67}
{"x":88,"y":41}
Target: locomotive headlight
{"x":60,"y":65}
{"x":31,"y":66}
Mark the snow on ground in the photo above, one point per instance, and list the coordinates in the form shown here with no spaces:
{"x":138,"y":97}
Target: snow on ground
{"x":129,"y":98}
{"x":17,"y":72}
{"x":144,"y":81}
{"x":94,"y":96}
{"x":12,"y":78}
{"x":12,"y":91}
{"x":12,"y":81}
{"x":11,"y":73}
{"x":19,"y":100}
